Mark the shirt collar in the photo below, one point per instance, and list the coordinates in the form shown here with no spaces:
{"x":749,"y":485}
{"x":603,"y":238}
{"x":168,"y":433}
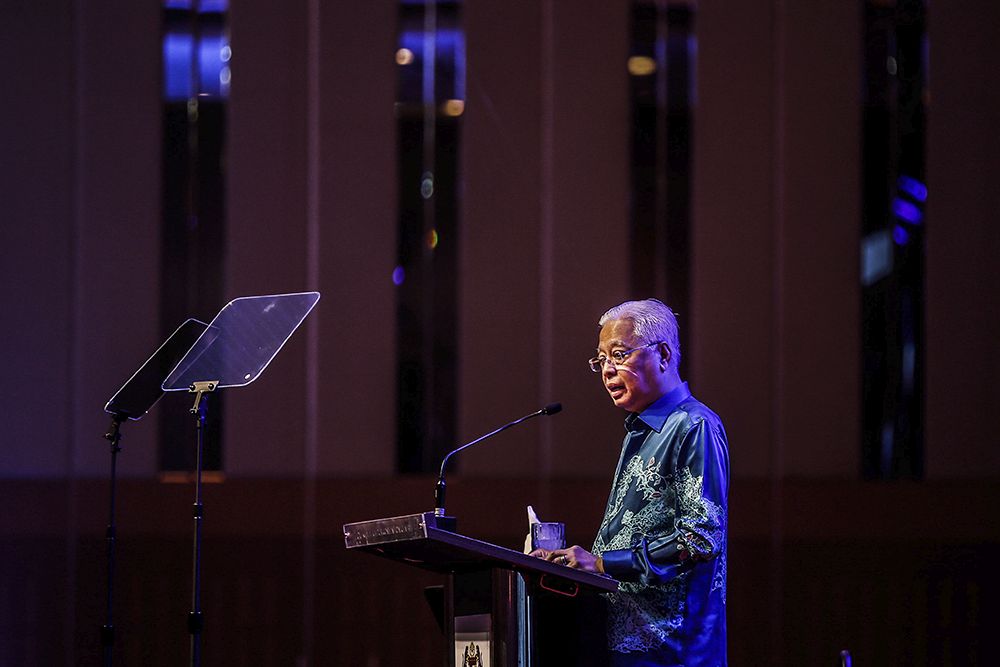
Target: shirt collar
{"x":655,"y":416}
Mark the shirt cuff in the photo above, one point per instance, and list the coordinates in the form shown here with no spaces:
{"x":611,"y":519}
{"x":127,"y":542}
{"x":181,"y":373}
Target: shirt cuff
{"x":620,"y":564}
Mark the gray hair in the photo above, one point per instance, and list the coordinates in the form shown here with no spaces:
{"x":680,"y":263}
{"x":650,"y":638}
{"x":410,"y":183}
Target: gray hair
{"x":652,"y":321}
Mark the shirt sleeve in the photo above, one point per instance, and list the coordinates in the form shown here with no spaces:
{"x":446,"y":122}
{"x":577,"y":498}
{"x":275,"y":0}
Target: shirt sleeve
{"x":699,"y":486}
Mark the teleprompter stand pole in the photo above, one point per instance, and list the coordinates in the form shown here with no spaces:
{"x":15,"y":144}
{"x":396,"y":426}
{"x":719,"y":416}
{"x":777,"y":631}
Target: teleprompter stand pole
{"x":232,"y":351}
{"x":108,"y":629}
{"x":195,"y":621}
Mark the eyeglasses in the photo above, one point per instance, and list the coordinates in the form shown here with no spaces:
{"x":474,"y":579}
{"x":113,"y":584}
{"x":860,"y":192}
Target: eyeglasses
{"x":616,"y":358}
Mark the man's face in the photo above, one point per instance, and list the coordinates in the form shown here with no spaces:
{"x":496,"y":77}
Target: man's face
{"x":637,"y":382}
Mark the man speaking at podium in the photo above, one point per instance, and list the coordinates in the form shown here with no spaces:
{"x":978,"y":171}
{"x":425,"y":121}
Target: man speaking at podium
{"x":664,"y":530}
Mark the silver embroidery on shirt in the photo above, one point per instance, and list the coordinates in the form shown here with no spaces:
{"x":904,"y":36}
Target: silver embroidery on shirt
{"x":642,"y":617}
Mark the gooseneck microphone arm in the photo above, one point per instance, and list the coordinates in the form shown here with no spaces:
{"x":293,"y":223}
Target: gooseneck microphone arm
{"x":550,"y":409}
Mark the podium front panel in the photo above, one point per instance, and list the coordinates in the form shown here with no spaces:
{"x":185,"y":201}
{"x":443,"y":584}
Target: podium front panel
{"x":490,"y":624}
{"x":499,"y":618}
{"x":501,"y":608}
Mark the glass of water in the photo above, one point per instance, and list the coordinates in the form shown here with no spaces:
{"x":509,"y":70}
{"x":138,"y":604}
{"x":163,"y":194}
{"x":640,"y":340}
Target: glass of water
{"x":549,"y":535}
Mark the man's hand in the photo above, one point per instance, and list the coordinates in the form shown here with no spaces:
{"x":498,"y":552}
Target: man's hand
{"x":574,"y":556}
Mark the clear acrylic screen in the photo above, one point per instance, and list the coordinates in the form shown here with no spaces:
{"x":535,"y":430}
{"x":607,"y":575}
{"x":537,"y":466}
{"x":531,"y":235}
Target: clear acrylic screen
{"x":145,"y":387}
{"x":242,"y":340}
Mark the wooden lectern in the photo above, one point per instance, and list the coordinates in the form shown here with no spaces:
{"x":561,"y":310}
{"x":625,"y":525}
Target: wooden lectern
{"x":501,"y":608}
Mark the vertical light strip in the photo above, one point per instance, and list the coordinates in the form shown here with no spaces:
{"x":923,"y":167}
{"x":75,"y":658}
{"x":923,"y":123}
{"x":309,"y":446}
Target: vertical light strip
{"x":311,"y":444}
{"x":75,"y":347}
{"x":428,"y":167}
{"x":661,"y":236}
{"x":546,"y":273}
{"x":776,"y":454}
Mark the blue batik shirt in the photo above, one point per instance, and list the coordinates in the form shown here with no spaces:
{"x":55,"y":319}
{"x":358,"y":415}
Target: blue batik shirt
{"x":664,"y":535}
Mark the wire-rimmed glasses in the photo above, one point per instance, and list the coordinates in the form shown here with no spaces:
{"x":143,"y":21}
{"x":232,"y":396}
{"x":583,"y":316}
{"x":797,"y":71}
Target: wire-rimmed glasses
{"x":615,"y":358}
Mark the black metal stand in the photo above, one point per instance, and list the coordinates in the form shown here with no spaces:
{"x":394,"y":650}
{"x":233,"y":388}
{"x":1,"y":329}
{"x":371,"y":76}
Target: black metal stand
{"x":196,"y":622}
{"x":235,"y":348}
{"x":108,"y":629}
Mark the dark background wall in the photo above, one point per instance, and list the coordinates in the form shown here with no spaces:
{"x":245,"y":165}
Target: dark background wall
{"x":898,"y":572}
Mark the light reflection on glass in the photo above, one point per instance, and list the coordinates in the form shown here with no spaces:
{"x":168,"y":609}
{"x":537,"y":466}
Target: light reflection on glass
{"x":454,"y":107}
{"x":913,"y":187}
{"x":404,"y":56}
{"x":907,"y":212}
{"x":876,"y":257}
{"x":179,"y":50}
{"x":427,"y":185}
{"x":900,"y":235}
{"x":641,"y":65}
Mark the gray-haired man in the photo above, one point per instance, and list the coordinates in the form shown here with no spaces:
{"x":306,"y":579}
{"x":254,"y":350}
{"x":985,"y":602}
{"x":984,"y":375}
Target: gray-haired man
{"x":664,"y":530}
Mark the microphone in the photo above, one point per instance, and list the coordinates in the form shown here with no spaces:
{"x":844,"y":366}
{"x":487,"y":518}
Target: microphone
{"x":550,"y":409}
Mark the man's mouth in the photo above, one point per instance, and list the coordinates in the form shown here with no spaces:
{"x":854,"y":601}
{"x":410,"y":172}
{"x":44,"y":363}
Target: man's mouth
{"x":616,"y":390}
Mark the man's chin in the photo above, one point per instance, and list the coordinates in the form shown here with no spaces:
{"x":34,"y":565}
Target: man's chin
{"x":621,"y":402}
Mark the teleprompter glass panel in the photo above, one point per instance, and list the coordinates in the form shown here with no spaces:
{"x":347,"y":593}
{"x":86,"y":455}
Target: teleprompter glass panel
{"x":144,"y":388}
{"x":242,"y":340}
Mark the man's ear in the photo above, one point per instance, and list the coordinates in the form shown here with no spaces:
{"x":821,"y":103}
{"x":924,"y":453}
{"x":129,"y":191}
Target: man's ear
{"x":665,"y":353}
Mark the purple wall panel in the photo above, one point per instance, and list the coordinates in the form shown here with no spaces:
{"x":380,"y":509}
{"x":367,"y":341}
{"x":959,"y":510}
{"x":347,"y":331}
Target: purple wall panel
{"x":589,"y":238}
{"x":357,"y":222}
{"x":118,"y":251}
{"x":499,"y":260}
{"x":735,"y":351}
{"x":963,"y":243}
{"x":39,"y":239}
{"x":266,"y":226}
{"x":817,"y":238}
